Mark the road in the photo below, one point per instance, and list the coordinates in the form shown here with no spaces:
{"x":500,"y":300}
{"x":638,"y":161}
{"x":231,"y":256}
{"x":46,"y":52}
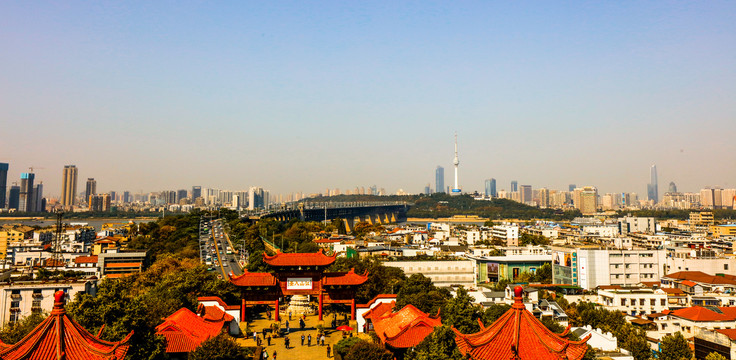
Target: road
{"x":214,"y":247}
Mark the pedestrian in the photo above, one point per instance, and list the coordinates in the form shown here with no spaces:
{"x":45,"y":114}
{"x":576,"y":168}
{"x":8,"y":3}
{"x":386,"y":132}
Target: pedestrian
{"x":255,"y":336}
{"x":265,"y":355}
{"x":302,"y":339}
{"x":274,"y":355}
{"x":309,"y":340}
{"x":268,"y":339}
{"x":322,"y":339}
{"x":328,"y":350}
{"x":286,"y":342}
{"x":289,"y":315}
{"x":287,"y":326}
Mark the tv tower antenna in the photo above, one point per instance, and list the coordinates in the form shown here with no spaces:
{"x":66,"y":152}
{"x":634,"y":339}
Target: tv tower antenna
{"x":456,"y":190}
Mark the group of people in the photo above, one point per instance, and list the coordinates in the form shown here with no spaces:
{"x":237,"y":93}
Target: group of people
{"x":320,"y":341}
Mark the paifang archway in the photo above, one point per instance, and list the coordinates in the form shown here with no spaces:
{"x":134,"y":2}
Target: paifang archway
{"x":298,"y":274}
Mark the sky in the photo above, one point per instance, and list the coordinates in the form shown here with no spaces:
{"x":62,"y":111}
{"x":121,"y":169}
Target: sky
{"x":302,"y":96}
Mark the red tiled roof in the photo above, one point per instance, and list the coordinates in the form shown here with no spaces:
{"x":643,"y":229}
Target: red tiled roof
{"x":703,"y":278}
{"x":218,"y":301}
{"x":688,"y":283}
{"x":85,"y":259}
{"x":213,"y":313}
{"x":403,"y":329}
{"x":59,"y":334}
{"x":699,"y":313}
{"x":379,"y":310}
{"x":518,"y":334}
{"x":299,"y":259}
{"x":253,"y":279}
{"x":731,"y":333}
{"x":184,"y":330}
{"x":379,"y":296}
{"x":341,"y":278}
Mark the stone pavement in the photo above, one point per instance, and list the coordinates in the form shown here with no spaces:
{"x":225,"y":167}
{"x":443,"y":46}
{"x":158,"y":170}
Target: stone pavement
{"x":296,"y":351}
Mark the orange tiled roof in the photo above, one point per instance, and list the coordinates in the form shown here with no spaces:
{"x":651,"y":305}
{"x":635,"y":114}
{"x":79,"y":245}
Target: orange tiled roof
{"x":184,"y":330}
{"x":673,"y":291}
{"x":518,"y":334}
{"x":59,"y":334}
{"x":299,"y":259}
{"x":213,"y":313}
{"x":85,"y":259}
{"x":703,"y":278}
{"x":341,"y":278}
{"x":731,"y":333}
{"x":403,"y":329}
{"x":123,"y":265}
{"x":688,"y":283}
{"x":253,"y":279}
{"x":379,"y":310}
{"x":699,"y":313}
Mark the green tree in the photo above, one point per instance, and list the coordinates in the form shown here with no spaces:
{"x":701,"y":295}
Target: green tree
{"x":674,"y":347}
{"x":364,"y":350}
{"x":16,"y":331}
{"x":419,"y":291}
{"x":715,"y":356}
{"x":493,"y":312}
{"x":381,"y":279}
{"x":220,"y":347}
{"x":461,"y":312}
{"x":543,"y":274}
{"x":440,"y":344}
{"x":343,"y":346}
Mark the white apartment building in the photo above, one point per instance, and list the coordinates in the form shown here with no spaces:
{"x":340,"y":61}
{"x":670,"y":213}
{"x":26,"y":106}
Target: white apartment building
{"x":507,"y":233}
{"x":602,"y":231}
{"x":21,"y":299}
{"x":593,"y":267}
{"x":629,"y":224}
{"x":443,"y":273}
{"x":705,"y":260}
{"x":633,"y":301}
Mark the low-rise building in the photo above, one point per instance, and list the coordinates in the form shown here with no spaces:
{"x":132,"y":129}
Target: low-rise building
{"x":114,"y":265}
{"x":509,"y":267}
{"x":444,"y":273}
{"x":633,"y":301}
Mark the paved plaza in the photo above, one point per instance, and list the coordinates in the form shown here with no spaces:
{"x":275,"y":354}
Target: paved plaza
{"x":296,"y":350}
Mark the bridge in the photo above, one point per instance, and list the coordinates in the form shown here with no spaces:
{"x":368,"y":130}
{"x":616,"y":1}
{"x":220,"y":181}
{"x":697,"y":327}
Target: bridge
{"x":351,"y":212}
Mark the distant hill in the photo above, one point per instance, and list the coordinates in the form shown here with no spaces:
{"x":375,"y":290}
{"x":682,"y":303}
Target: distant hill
{"x":443,"y":205}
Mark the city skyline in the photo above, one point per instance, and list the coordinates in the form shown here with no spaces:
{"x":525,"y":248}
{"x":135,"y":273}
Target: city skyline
{"x":277,"y":96}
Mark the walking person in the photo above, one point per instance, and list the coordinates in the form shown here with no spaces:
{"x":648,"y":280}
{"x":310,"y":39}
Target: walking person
{"x":287,"y":326}
{"x":328,"y":350}
{"x":274,"y":355}
{"x":302,"y":339}
{"x":309,"y":340}
{"x":268,"y":339}
{"x":265,"y":355}
{"x":255,"y":337}
{"x":322,"y":339}
{"x":286,"y":342}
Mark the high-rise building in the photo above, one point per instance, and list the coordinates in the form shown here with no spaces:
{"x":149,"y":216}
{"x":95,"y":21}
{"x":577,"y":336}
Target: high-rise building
{"x":91,"y":188}
{"x":256,"y":197}
{"x":525,"y":194}
{"x":490,"y":187}
{"x":514,"y":186}
{"x":3,"y":183}
{"x":588,"y":200}
{"x":544,"y":198}
{"x":99,"y":203}
{"x":439,"y":179}
{"x":39,"y":201}
{"x":673,"y":187}
{"x":181,"y":195}
{"x":126,"y":197}
{"x":27,"y":203}
{"x":196,"y":192}
{"x":427,"y":189}
{"x":652,"y":190}
{"x":14,"y":197}
{"x":571,"y":187}
{"x":69,"y":186}
{"x":113,"y":196}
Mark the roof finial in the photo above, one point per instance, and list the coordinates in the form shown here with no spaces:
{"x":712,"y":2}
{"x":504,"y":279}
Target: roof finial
{"x":59,"y":300}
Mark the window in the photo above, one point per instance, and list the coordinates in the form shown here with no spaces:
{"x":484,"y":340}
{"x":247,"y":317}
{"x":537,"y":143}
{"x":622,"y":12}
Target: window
{"x":725,"y":266}
{"x":652,"y":302}
{"x":623,"y":302}
{"x":662,"y":302}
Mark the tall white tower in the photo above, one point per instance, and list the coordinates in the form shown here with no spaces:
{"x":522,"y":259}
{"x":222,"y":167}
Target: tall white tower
{"x":456,"y":190}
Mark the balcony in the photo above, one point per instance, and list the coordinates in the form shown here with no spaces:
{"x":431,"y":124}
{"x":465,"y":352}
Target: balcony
{"x":15,"y":296}
{"x":37,"y":296}
{"x":14,"y":309}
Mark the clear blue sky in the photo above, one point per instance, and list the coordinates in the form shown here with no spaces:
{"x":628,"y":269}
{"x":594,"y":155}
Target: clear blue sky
{"x":299,"y":96}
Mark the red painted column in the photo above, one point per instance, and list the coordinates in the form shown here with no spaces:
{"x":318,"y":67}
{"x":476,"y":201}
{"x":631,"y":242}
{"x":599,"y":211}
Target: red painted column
{"x":276,"y":314}
{"x":242,"y":310}
{"x":320,"y":306}
{"x":352,"y":309}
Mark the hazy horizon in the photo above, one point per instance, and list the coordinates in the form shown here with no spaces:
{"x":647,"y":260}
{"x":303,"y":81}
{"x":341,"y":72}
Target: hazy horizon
{"x":299,"y":97}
